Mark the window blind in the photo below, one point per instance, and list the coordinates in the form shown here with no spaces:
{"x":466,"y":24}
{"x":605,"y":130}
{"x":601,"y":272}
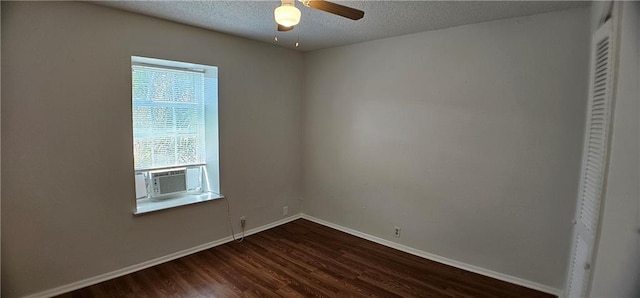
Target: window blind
{"x":168,"y":117}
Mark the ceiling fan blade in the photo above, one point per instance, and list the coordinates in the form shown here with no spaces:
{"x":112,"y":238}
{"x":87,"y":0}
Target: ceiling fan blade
{"x":337,"y":9}
{"x":284,"y":28}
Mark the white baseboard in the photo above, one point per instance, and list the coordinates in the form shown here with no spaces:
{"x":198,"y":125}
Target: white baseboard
{"x":127,"y":270}
{"x":439,"y":259}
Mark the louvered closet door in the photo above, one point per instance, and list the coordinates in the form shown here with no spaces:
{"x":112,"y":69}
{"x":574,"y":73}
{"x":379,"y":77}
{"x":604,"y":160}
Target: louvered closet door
{"x":594,"y":162}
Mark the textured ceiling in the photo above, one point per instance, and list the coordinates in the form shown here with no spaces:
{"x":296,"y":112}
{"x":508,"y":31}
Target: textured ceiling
{"x":318,"y":30}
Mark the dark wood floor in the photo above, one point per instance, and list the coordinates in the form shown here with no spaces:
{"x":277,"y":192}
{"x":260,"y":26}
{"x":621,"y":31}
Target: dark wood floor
{"x":303,"y":259}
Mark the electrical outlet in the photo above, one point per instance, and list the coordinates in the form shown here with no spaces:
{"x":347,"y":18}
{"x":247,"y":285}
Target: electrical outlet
{"x":396,"y":231}
{"x":285,"y":210}
{"x":243,"y":221}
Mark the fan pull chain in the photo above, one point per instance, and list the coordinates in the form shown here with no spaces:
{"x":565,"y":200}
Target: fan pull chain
{"x":298,"y":38}
{"x":275,"y":36}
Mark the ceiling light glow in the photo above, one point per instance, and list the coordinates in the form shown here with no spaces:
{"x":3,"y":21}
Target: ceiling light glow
{"x":287,"y":15}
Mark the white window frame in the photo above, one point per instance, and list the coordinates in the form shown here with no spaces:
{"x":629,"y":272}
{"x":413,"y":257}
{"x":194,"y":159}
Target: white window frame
{"x":210,"y":182}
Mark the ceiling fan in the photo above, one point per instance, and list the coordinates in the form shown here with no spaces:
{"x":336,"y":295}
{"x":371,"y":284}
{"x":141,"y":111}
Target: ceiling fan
{"x":287,"y":15}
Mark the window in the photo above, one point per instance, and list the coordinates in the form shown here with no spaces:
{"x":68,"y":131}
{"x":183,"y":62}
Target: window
{"x":175,"y":133}
{"x":168,"y":117}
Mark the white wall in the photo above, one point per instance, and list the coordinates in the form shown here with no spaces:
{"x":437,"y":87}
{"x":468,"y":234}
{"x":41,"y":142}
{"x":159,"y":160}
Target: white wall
{"x":68,"y":191}
{"x":467,"y":138}
{"x":617,"y":266}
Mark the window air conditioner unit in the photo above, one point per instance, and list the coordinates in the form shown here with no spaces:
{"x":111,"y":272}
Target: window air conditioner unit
{"x":168,"y":182}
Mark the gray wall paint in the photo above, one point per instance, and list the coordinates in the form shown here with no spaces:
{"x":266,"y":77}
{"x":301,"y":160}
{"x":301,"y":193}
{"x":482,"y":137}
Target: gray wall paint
{"x":617,"y":266}
{"x":67,"y":163}
{"x":467,"y":138}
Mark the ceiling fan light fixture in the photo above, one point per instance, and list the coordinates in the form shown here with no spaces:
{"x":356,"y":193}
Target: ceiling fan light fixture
{"x":287,"y":15}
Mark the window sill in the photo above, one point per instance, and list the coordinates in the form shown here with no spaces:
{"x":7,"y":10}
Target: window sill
{"x":146,"y":205}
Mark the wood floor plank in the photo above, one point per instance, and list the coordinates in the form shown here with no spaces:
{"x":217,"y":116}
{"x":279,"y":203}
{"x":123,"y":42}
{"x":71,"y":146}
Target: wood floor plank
{"x":303,"y":259}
